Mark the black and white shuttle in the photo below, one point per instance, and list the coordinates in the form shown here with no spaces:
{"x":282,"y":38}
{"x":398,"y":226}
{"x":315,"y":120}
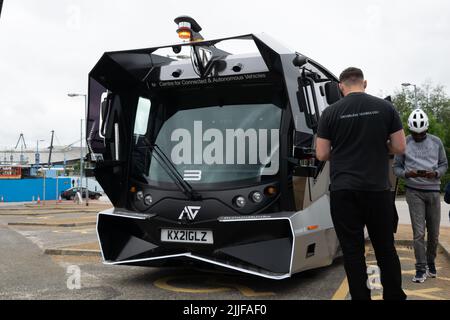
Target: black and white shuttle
{"x":206,"y":150}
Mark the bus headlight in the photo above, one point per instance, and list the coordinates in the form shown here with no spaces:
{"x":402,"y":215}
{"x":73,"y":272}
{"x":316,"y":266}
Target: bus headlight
{"x":148,"y":200}
{"x":240,"y":202}
{"x":256,"y":197}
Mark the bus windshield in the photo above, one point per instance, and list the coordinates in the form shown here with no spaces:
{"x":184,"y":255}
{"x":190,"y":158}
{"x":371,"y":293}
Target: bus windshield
{"x":208,"y":145}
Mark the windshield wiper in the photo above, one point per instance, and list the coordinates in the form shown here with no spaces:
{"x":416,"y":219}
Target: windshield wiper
{"x":173,"y":173}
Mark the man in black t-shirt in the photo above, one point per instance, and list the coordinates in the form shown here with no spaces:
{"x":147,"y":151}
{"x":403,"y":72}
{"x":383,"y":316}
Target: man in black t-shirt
{"x":357,"y":134}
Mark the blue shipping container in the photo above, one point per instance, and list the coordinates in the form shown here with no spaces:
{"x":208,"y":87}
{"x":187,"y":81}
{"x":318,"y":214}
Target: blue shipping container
{"x":18,"y":190}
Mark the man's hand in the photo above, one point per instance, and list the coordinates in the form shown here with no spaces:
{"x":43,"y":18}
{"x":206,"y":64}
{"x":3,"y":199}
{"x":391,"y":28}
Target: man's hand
{"x":412,"y":174}
{"x":415,"y":174}
{"x":431,"y":175}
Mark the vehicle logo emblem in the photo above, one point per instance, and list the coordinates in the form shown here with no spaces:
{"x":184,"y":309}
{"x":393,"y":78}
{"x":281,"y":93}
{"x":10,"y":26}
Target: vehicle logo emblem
{"x":190,"y":212}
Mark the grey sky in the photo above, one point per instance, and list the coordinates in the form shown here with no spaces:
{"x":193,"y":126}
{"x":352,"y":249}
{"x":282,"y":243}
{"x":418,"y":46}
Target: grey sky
{"x":47,"y":47}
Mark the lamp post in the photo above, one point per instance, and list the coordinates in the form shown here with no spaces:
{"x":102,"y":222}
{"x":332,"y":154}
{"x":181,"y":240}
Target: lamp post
{"x":43,"y":170}
{"x":73,"y":95}
{"x":57,"y":183}
{"x":37,"y":158}
{"x":407,"y":84}
{"x":43,"y":193}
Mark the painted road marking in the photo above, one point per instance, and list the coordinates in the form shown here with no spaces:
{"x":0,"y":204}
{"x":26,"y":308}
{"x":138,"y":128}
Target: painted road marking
{"x":413,"y":271}
{"x":39,"y":218}
{"x":406,"y":259}
{"x":342,"y":291}
{"x":421,"y":293}
{"x":81,"y":231}
{"x":374,"y":262}
{"x":404,"y":249}
{"x":217,"y":286}
{"x":163,"y":283}
{"x":441,"y":278}
{"x":247,"y":291}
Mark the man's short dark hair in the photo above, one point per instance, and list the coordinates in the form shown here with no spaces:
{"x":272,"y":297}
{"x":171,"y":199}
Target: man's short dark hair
{"x":351,"y":76}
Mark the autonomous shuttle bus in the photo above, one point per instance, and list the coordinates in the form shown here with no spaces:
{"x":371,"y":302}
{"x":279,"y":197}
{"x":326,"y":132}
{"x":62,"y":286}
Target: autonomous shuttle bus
{"x":206,"y":150}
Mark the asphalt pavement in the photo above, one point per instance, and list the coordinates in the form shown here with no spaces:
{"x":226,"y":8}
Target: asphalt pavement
{"x":52,"y":252}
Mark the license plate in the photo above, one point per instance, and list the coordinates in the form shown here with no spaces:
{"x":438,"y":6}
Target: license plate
{"x":187,"y":236}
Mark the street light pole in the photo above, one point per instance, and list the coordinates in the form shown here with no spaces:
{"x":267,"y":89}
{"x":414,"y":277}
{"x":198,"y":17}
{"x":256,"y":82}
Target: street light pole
{"x":85,"y":123}
{"x":415,"y":96}
{"x":43,"y":191}
{"x":37,"y":159}
{"x":72,"y":95}
{"x":81,"y":156}
{"x":407,"y":84}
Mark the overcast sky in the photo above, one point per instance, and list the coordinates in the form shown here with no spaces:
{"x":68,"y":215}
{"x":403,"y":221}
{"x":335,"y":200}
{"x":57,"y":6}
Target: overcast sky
{"x":47,"y":47}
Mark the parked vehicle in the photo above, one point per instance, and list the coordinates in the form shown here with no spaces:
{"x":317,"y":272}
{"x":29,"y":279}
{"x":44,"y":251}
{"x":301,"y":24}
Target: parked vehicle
{"x":70,"y":194}
{"x":177,"y":201}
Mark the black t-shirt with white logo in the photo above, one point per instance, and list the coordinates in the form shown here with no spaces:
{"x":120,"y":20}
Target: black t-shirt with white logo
{"x":358,"y":127}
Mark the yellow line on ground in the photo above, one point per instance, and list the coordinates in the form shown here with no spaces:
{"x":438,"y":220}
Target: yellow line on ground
{"x":216,"y":286}
{"x":406,"y":259}
{"x":403,"y":249}
{"x":246,"y":291}
{"x":342,"y":291}
{"x":442,"y":278}
{"x":163,"y":284}
{"x":39,"y":218}
{"x":413,"y":272}
{"x":421,"y":293}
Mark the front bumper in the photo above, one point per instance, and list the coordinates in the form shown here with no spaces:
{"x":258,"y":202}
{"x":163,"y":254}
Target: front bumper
{"x":273,"y":246}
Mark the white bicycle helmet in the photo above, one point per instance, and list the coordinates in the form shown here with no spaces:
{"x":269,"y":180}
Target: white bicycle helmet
{"x":418,"y":121}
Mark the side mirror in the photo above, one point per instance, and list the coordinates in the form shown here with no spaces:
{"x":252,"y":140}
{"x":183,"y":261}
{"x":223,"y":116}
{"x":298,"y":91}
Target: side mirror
{"x":105,"y":110}
{"x":332,"y":92}
{"x":307,"y":100}
{"x":300,"y":61}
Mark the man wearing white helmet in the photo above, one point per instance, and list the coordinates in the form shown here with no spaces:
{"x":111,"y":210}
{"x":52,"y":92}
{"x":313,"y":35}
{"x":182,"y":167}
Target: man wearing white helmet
{"x":422,"y":166}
